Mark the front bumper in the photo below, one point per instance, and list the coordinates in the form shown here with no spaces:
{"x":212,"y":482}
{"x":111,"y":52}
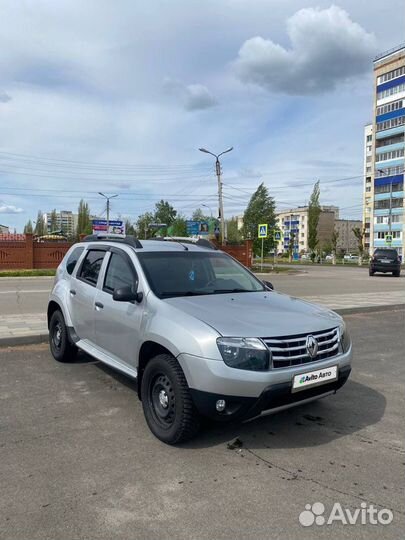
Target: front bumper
{"x":248,"y":393}
{"x":274,"y":397}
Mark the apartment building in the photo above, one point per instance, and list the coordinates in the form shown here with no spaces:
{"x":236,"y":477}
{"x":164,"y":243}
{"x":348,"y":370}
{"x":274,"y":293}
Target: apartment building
{"x":383,"y":214}
{"x":295,"y":221}
{"x":65,"y":221}
{"x":347,"y":240}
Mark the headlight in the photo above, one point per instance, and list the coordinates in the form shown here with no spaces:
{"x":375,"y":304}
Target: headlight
{"x":244,"y":353}
{"x":344,"y":338}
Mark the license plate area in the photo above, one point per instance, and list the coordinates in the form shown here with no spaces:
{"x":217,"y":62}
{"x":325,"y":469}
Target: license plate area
{"x":316,"y":377}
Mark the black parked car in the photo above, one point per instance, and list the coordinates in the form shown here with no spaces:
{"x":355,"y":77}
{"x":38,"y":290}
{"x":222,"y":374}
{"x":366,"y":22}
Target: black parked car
{"x":385,"y":260}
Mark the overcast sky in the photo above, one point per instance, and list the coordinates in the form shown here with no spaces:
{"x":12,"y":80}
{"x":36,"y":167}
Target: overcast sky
{"x":118,"y":97}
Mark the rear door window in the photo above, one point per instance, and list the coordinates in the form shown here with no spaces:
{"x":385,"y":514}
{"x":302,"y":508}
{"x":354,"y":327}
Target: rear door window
{"x":91,"y":266}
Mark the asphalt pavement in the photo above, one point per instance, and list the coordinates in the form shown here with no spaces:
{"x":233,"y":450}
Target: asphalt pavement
{"x":78,"y":461}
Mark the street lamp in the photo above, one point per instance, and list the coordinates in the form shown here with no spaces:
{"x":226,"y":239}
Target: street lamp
{"x":108,"y":207}
{"x":209,"y":208}
{"x":218,"y":173}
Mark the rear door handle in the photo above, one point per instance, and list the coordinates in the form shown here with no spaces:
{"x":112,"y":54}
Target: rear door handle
{"x":99,"y":305}
{"x":72,"y":292}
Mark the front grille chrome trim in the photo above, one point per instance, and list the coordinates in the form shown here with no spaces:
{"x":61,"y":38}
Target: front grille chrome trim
{"x":292,"y":351}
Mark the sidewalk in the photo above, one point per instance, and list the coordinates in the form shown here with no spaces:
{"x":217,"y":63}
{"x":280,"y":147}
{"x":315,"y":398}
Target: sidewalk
{"x":32,"y":327}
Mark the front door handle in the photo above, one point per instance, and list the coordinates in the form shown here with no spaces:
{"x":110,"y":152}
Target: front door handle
{"x":72,"y":292}
{"x":99,"y":305}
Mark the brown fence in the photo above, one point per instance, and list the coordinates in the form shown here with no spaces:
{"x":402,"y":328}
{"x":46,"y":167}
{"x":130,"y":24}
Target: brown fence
{"x":21,"y":252}
{"x":242,"y":252}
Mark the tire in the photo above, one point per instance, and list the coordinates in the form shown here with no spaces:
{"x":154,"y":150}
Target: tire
{"x":61,"y":347}
{"x":371,"y":272}
{"x":167,"y":405}
{"x":397,"y":273}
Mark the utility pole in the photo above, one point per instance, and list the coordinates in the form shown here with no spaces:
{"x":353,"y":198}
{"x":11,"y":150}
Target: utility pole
{"x":220,"y":198}
{"x":108,"y":207}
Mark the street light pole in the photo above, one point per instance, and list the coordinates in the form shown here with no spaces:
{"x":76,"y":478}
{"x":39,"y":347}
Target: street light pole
{"x":108,"y":207}
{"x":220,"y":198}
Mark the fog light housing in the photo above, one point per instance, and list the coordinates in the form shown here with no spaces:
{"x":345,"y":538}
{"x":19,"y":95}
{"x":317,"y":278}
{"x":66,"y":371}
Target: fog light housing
{"x":220,"y":405}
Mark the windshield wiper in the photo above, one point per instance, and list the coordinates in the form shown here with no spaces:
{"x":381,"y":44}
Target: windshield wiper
{"x":216,"y":291}
{"x":183,"y":293}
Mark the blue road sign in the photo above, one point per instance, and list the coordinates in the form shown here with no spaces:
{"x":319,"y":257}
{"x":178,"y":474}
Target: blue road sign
{"x":262,"y":230}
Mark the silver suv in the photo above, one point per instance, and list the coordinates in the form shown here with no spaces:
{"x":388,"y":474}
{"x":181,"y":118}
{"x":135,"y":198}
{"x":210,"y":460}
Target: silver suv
{"x":198,"y":331}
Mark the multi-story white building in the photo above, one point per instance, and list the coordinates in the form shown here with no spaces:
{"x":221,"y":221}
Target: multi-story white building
{"x":295,"y":221}
{"x":65,"y":221}
{"x":383,"y":215}
{"x":4,"y":229}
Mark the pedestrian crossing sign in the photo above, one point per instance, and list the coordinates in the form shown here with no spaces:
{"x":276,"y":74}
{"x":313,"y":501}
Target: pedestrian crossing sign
{"x":262,"y":230}
{"x":388,"y":238}
{"x":277,"y":236}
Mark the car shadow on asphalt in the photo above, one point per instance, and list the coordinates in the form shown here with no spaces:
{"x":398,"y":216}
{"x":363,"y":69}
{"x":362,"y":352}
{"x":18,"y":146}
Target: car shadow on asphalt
{"x":350,"y":410}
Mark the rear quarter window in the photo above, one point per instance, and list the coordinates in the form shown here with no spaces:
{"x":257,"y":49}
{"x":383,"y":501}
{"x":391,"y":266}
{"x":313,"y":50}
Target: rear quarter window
{"x":72,"y":259}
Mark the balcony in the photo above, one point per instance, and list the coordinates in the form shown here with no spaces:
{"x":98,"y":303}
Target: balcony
{"x":390,"y":147}
{"x":378,"y":227}
{"x":384,"y":196}
{"x":390,"y":132}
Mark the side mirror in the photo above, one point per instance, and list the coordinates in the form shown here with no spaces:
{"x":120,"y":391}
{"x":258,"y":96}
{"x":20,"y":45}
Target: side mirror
{"x":269,"y":286}
{"x":127,"y":294}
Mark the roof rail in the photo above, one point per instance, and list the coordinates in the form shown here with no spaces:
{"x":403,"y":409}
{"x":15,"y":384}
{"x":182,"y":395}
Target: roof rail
{"x":202,"y":242}
{"x":129,"y":240}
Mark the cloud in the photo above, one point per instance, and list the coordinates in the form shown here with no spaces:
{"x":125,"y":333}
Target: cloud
{"x":327,"y":48}
{"x":10,"y":209}
{"x":194,"y":97}
{"x":198,"y":97}
{"x":4,"y":98}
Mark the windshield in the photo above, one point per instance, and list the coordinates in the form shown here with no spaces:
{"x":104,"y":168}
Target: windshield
{"x":195,"y":273}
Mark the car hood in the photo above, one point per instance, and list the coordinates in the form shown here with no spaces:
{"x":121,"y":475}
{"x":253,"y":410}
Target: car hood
{"x":257,"y":314}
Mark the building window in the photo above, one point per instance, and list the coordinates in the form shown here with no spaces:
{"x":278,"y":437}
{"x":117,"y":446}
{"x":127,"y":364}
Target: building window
{"x":391,"y":75}
{"x":385,"y":204}
{"x":388,"y":107}
{"x":390,"y":140}
{"x":389,"y":171}
{"x":388,"y":124}
{"x":393,"y":154}
{"x":391,"y":91}
{"x":387,"y":188}
{"x":369,"y":138}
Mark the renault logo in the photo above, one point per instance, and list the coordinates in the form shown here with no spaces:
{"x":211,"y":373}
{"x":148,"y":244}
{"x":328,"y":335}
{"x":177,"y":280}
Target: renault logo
{"x":312,"y":346}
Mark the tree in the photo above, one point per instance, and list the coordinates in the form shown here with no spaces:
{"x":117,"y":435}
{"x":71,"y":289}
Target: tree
{"x":360,"y":234}
{"x":40,"y":227}
{"x":233,"y":234}
{"x":198,"y":215}
{"x":28,"y":229}
{"x":291,"y":243}
{"x":314,"y":211}
{"x":164,"y":213}
{"x":178,"y":227}
{"x":261,"y":209}
{"x":129,"y":227}
{"x":334,"y":241}
{"x":84,"y":225}
{"x":54,"y":220}
{"x":142,"y":225}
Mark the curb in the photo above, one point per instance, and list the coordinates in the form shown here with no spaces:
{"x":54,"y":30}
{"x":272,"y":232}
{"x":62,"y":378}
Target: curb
{"x":34,"y":339}
{"x":15,"y":341}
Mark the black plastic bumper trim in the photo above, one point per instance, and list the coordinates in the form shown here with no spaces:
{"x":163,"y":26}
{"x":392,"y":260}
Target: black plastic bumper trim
{"x":272,"y":397}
